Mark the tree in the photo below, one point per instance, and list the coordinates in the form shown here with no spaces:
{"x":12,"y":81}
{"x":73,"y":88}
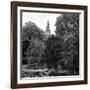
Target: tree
{"x":67,"y":28}
{"x":53,"y":51}
{"x":33,"y":43}
{"x":30,"y":31}
{"x":67,"y":25}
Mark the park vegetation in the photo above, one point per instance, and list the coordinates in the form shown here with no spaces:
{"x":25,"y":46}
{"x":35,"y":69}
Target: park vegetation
{"x":56,"y":55}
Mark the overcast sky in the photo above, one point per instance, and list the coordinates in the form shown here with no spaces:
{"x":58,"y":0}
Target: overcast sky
{"x":40,"y":19}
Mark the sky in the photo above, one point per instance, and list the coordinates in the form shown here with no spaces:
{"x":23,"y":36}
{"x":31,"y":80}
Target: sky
{"x":40,"y":19}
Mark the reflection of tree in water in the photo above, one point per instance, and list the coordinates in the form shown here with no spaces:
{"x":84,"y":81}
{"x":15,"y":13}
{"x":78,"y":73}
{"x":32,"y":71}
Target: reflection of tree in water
{"x":51,"y":55}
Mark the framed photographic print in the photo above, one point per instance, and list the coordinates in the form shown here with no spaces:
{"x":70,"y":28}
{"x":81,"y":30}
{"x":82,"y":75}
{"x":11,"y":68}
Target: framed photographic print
{"x":48,"y":44}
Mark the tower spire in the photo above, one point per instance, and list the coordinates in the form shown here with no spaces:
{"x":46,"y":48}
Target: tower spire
{"x":48,"y":32}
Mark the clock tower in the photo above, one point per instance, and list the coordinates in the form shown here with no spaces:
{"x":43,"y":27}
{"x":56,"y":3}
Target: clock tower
{"x":48,"y":32}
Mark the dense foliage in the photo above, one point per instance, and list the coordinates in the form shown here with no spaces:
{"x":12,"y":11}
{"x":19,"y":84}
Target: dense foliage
{"x":32,"y":43}
{"x":67,"y":28}
{"x":58,"y":53}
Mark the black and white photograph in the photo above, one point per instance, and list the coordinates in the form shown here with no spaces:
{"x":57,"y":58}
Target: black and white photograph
{"x":49,"y":43}
{"x":49,"y":46}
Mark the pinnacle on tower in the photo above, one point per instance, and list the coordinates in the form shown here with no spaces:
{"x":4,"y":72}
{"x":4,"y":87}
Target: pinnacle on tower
{"x":48,"y":32}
